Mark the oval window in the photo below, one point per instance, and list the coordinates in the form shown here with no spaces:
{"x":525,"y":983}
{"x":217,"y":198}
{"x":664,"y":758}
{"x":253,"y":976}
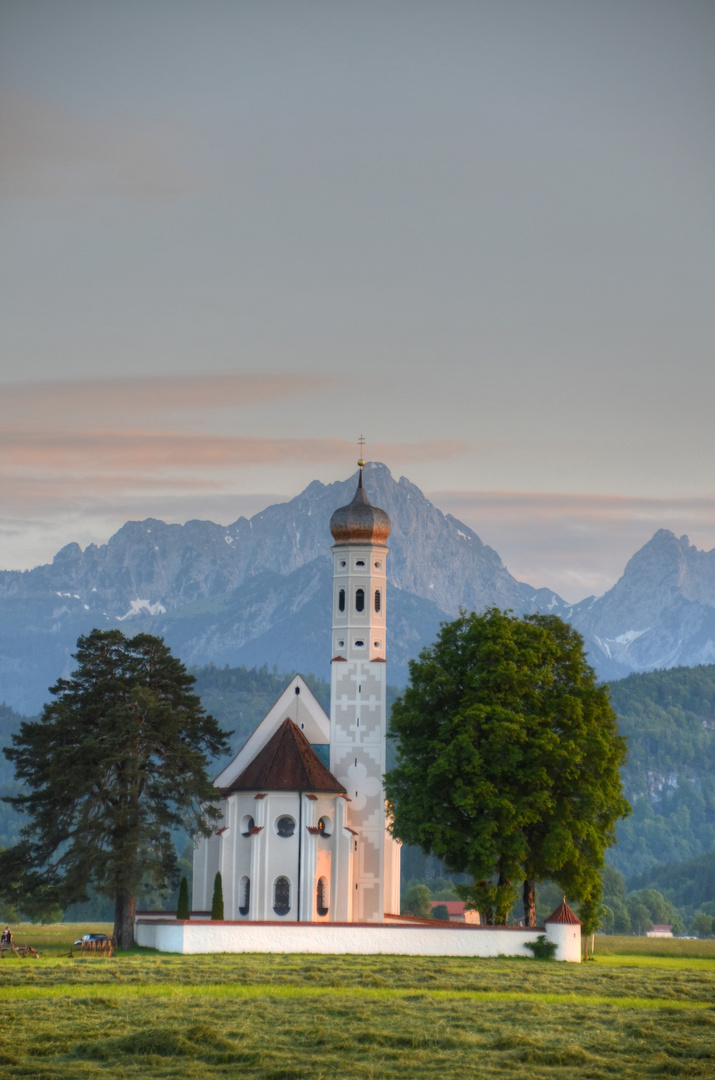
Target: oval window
{"x":285,"y":825}
{"x":281,"y":896}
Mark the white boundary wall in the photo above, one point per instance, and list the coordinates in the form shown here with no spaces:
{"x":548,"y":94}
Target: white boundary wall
{"x":199,"y":936}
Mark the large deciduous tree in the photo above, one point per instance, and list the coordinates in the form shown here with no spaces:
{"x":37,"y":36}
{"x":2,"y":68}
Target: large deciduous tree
{"x":508,"y":758}
{"x":115,"y":763}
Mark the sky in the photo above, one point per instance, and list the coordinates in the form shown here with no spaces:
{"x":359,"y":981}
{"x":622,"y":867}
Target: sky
{"x":236,"y":235}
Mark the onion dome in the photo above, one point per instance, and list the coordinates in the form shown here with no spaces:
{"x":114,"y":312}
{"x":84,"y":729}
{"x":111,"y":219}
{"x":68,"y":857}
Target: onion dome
{"x":360,"y":522}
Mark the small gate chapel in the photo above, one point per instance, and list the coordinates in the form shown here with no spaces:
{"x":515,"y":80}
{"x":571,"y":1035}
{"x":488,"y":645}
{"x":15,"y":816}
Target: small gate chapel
{"x":303,"y":836}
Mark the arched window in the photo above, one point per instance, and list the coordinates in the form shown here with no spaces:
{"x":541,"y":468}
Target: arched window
{"x":325,"y":827}
{"x":341,"y":600}
{"x":281,"y":896}
{"x":244,"y":892}
{"x":322,"y":897}
{"x":359,"y":599}
{"x":378,"y":600}
{"x":247,"y":823}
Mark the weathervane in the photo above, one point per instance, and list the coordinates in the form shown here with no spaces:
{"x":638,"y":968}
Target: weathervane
{"x":361,"y":445}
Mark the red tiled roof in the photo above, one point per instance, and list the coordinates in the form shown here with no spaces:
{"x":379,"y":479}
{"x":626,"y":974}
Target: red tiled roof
{"x":454,"y":907}
{"x":563,"y":914}
{"x":286,"y":763}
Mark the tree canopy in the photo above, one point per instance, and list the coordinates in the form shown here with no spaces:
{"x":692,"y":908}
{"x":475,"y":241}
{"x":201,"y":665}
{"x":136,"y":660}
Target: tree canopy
{"x":508,"y":758}
{"x":115,"y":763}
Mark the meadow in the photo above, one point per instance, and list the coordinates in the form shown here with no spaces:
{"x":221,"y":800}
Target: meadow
{"x":641,"y":1009}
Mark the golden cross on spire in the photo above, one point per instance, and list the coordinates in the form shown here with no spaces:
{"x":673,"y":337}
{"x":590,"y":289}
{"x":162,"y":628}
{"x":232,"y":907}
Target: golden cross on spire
{"x":361,"y":445}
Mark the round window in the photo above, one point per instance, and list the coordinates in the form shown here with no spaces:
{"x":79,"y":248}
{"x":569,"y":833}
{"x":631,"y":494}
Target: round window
{"x":285,"y":826}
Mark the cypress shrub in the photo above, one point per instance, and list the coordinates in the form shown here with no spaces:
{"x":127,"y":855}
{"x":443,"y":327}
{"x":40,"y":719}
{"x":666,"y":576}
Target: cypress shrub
{"x":217,"y":902}
{"x":182,"y":908}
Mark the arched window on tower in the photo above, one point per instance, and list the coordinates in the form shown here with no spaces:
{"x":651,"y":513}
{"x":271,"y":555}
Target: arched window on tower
{"x":281,"y":896}
{"x":378,"y":600}
{"x":322,"y":897}
{"x":341,"y":600}
{"x":359,"y":599}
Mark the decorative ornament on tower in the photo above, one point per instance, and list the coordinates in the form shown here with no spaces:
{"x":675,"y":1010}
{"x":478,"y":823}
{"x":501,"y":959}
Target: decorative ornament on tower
{"x":358,"y":720}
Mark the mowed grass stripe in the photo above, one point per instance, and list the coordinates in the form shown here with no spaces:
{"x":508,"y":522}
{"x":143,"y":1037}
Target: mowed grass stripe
{"x":670,"y":963}
{"x":98,"y":991}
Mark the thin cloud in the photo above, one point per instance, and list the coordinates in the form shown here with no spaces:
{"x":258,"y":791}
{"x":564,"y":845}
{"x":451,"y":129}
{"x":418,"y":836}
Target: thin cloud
{"x":59,"y":451}
{"x":49,"y":152}
{"x":139,"y":396}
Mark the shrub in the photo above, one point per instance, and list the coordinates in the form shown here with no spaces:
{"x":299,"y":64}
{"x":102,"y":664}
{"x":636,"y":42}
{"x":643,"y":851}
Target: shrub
{"x":217,"y":902}
{"x":182,"y":908}
{"x":541,"y":948}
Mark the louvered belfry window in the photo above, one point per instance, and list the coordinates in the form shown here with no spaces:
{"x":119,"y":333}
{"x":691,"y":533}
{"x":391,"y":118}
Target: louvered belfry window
{"x":360,"y":600}
{"x":378,"y":600}
{"x":341,"y":600}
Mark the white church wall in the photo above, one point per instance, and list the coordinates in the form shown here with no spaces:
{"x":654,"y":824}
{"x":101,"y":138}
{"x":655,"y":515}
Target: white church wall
{"x":356,"y":939}
{"x":263,"y":855}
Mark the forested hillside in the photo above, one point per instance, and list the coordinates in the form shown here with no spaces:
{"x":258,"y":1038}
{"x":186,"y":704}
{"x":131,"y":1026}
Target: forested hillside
{"x":688,"y":885}
{"x":668,"y":718}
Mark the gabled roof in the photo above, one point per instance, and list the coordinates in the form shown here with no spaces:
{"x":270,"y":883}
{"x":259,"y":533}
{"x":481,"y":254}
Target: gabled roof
{"x":286,"y":763}
{"x":563,"y":914}
{"x":296,"y":702}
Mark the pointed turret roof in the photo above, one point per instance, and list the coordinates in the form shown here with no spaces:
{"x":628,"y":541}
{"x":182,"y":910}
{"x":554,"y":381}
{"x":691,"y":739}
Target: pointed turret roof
{"x":563,"y":914}
{"x":286,"y":763}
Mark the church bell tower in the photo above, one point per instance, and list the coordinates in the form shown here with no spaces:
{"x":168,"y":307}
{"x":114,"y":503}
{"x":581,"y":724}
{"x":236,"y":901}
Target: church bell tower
{"x":358,"y":719}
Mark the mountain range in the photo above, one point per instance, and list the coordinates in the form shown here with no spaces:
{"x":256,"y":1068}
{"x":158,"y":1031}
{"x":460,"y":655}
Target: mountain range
{"x":258,"y":592}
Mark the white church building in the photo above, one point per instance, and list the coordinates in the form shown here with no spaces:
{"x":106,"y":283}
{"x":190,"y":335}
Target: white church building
{"x":306,"y":860}
{"x":303,"y":836}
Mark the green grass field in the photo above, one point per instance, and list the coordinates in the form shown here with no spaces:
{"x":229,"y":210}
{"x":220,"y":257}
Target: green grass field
{"x":631,"y":1013}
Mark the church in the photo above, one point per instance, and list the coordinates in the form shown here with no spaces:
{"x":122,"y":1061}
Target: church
{"x":306,"y":860}
{"x":303,"y":836}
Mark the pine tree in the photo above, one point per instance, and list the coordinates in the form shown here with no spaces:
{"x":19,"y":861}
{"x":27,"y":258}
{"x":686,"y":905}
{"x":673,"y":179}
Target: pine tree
{"x":182,"y":907}
{"x":217,"y":902}
{"x":116,"y":762}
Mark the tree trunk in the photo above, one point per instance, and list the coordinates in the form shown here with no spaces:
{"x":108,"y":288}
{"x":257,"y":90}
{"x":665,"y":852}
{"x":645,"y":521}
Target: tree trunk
{"x":124,"y":920}
{"x":529,"y":903}
{"x":501,"y":913}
